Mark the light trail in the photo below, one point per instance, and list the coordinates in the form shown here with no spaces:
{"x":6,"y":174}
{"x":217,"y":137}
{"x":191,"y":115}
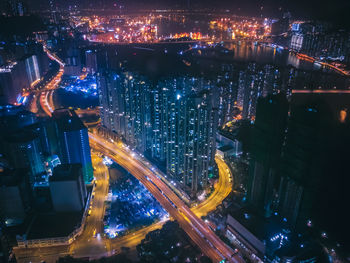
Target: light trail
{"x":196,"y":228}
{"x":206,"y":239}
{"x":324,"y":64}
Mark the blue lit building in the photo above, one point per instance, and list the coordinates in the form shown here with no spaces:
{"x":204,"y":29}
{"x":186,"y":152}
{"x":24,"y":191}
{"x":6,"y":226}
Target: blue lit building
{"x":173,"y":120}
{"x":199,"y":147}
{"x":20,"y":145}
{"x":73,"y":141}
{"x":125,"y":101}
{"x":23,"y":150}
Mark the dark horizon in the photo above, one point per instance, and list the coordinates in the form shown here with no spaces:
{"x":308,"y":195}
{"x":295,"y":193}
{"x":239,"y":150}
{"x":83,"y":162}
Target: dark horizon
{"x":335,"y":12}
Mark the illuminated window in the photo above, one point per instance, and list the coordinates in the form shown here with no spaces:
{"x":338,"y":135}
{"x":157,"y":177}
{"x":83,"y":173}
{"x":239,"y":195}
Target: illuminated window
{"x":342,"y":115}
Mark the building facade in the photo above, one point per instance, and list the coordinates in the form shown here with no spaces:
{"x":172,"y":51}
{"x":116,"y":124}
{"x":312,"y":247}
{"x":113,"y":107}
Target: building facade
{"x":173,"y":120}
{"x":73,"y":141}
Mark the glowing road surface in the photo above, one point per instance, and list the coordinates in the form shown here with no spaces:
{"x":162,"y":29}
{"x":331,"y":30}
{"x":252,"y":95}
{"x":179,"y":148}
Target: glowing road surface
{"x":196,"y":228}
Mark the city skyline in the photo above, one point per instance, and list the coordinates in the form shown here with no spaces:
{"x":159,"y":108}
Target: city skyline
{"x":174,"y":131}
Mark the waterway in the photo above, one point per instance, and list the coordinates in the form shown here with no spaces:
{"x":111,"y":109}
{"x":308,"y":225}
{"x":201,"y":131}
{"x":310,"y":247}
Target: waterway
{"x":263,"y":54}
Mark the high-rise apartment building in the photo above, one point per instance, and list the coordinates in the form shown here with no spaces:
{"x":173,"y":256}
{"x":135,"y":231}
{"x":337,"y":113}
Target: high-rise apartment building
{"x":91,"y":61}
{"x":200,"y":133}
{"x":125,"y":101}
{"x":73,"y":141}
{"x":173,"y":120}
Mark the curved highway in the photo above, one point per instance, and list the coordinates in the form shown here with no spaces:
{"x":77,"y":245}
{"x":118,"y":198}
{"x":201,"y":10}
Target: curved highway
{"x":189,"y":220}
{"x":221,"y":190}
{"x":195,"y":227}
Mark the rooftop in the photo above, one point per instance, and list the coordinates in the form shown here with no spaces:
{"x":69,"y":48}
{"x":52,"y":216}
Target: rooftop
{"x":22,"y":136}
{"x":258,"y":225}
{"x":67,"y":120}
{"x":50,"y":225}
{"x":66,"y":172}
{"x":225,"y":148}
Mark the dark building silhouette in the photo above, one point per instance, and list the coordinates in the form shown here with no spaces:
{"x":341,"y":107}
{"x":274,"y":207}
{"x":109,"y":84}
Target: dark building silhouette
{"x":68,"y":191}
{"x":23,"y":150}
{"x":14,"y":187}
{"x":268,"y":136}
{"x":303,"y":156}
{"x":299,"y":167}
{"x":91,"y":61}
{"x":13,"y":81}
{"x":314,"y":169}
{"x":15,"y":117}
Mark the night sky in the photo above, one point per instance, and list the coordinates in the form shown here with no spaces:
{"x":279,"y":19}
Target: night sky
{"x":333,"y":10}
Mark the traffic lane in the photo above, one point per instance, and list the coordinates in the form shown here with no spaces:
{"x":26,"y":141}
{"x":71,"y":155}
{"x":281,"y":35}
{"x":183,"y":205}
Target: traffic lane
{"x":200,"y":224}
{"x":132,"y":239}
{"x":210,"y":235}
{"x":219,"y":244}
{"x":172,"y":211}
{"x":169,"y":194}
{"x":94,"y":222}
{"x":139,"y":174}
{"x":186,"y":226}
{"x":221,"y":191}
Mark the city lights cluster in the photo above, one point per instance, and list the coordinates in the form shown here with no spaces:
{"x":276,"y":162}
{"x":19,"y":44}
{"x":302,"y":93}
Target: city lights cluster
{"x":242,"y":28}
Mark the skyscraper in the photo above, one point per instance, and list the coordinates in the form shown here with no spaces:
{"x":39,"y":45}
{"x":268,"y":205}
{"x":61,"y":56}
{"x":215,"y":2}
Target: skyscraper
{"x":173,"y":120}
{"x":304,"y":161}
{"x":268,"y":136}
{"x":201,"y":124}
{"x":256,"y":81}
{"x":23,"y":149}
{"x":17,"y":7}
{"x":292,"y":159}
{"x":225,"y":93}
{"x":91,"y":61}
{"x":184,"y":122}
{"x":125,"y":101}
{"x":53,"y":10}
{"x":13,"y":118}
{"x":247,"y":93}
{"x":73,"y":141}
